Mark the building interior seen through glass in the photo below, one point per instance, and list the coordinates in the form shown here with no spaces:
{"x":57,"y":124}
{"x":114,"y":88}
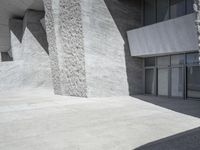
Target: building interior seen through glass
{"x":160,"y":10}
{"x":173,"y":76}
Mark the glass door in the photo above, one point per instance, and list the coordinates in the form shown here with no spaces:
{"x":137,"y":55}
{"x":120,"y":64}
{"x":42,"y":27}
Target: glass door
{"x":163,"y":64}
{"x":177,"y":75}
{"x":193,"y":75}
{"x":150,"y":81}
{"x":177,"y":82}
{"x":163,"y":81}
{"x":193,"y":82}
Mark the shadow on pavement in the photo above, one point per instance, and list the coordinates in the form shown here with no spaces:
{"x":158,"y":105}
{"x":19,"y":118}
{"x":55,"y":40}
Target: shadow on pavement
{"x":189,"y":140}
{"x":188,"y":107}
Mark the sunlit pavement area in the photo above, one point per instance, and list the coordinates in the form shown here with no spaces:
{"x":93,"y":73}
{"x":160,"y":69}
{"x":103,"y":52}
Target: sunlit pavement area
{"x":36,"y":120}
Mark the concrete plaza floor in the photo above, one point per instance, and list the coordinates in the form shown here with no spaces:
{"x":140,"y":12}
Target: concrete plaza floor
{"x":37,"y":120}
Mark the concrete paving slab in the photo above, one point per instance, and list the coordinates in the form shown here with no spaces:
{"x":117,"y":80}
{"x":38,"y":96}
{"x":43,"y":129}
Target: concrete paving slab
{"x":36,"y":120}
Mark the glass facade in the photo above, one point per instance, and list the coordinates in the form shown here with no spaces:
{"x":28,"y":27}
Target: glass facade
{"x":173,"y":76}
{"x":189,"y":6}
{"x":193,"y":58}
{"x":163,"y":61}
{"x":177,"y":59}
{"x":150,"y":62}
{"x":150,"y":13}
{"x":177,"y":8}
{"x":160,"y":10}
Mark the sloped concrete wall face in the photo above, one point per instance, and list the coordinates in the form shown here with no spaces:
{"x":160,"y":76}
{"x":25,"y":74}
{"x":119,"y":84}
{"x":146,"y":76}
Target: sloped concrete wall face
{"x":127,"y":14}
{"x":104,"y":51}
{"x":35,"y":54}
{"x":30,"y":66}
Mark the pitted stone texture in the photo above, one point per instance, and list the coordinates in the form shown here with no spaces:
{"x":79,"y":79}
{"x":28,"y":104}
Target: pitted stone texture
{"x":64,"y":17}
{"x":197,"y":21}
{"x":52,"y":30}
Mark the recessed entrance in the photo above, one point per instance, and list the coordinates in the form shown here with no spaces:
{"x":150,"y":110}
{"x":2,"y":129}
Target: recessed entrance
{"x":173,"y":76}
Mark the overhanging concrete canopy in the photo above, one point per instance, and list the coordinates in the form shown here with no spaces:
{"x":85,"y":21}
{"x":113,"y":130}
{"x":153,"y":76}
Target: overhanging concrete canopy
{"x":172,"y":36}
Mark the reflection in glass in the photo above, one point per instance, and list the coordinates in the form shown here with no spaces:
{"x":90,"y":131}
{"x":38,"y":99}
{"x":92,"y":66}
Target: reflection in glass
{"x":150,"y":12}
{"x":177,"y":59}
{"x":177,"y":8}
{"x":163,"y":61}
{"x":193,"y":58}
{"x":190,"y":6}
{"x":193,"y":82}
{"x":177,"y":82}
{"x":149,"y":81}
{"x":163,"y":82}
{"x":162,"y":10}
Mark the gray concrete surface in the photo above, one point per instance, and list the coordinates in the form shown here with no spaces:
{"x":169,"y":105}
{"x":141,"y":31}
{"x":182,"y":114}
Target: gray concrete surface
{"x":188,"y":140}
{"x":171,"y":36}
{"x":31,"y":66}
{"x":35,"y":119}
{"x":88,"y":48}
{"x":127,"y":14}
{"x":104,"y":51}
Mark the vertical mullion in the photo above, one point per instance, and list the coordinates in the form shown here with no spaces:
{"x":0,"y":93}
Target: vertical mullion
{"x":144,"y":77}
{"x":169,"y":9}
{"x":143,"y":14}
{"x":156,"y":74}
{"x":156,"y":5}
{"x":185,"y":7}
{"x":185,"y":77}
{"x":169,"y":77}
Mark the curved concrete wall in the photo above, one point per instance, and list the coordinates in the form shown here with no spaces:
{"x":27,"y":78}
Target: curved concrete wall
{"x":172,"y":36}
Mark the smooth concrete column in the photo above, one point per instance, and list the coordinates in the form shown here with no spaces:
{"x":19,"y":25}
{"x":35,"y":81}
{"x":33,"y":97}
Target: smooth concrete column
{"x":66,"y":48}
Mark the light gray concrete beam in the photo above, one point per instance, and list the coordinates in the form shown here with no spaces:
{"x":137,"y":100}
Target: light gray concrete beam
{"x":171,"y":36}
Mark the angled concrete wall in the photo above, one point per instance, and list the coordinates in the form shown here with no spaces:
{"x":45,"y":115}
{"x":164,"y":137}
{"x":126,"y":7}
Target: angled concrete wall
{"x":87,"y":50}
{"x":30,"y":66}
{"x":127,"y":14}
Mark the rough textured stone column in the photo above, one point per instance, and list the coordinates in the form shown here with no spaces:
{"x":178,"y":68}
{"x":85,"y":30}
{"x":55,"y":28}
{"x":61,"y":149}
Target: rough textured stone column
{"x":66,"y":48}
{"x":197,"y":21}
